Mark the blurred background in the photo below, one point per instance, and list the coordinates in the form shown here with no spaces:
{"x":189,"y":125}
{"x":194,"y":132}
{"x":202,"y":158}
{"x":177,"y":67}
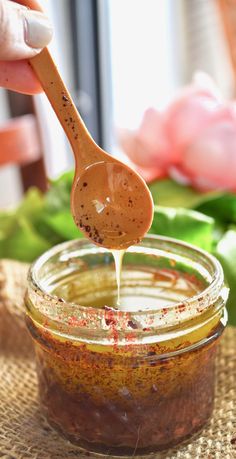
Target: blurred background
{"x":129,"y":65}
{"x":118,"y":57}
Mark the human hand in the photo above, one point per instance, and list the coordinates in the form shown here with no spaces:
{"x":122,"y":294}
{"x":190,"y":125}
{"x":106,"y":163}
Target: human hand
{"x":23,"y":33}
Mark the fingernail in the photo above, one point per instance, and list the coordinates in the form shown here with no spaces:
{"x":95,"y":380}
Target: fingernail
{"x":38,"y":29}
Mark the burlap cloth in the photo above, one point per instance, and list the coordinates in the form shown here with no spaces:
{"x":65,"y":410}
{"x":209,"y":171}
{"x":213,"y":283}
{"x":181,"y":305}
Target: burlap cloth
{"x":24,"y":433}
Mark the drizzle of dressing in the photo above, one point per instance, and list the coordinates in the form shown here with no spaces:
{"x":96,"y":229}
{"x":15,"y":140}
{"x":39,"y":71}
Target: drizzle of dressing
{"x":118,"y":257}
{"x":113,"y":207}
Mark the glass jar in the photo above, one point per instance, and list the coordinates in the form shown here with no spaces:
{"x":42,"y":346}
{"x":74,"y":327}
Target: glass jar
{"x":134,"y":379}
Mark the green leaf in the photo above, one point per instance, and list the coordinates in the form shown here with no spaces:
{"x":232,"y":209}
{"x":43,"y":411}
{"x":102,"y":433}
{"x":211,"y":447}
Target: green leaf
{"x":226,"y":253}
{"x":219,"y":231}
{"x":45,"y":230}
{"x":39,"y":222}
{"x":33,"y":209}
{"x":30,"y":208}
{"x":222,"y":207}
{"x":57,"y":218}
{"x":63,"y":225}
{"x":170,"y":193}
{"x":23,"y":243}
{"x":58,"y":197}
{"x":7,"y":219}
{"x":187,"y":225}
{"x":32,"y":205}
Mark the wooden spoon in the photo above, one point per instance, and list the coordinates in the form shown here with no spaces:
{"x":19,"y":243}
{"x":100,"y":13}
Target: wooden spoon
{"x":110,"y":202}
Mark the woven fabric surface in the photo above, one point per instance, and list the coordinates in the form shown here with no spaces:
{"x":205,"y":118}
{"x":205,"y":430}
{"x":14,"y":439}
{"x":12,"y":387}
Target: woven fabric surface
{"x":25,"y":434}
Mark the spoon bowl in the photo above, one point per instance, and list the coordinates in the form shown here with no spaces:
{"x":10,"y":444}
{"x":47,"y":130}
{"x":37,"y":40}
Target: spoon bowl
{"x":109,"y":205}
{"x":110,"y":202}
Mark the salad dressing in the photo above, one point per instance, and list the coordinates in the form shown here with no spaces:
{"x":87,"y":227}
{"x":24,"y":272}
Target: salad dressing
{"x":118,"y":258}
{"x":104,"y":372}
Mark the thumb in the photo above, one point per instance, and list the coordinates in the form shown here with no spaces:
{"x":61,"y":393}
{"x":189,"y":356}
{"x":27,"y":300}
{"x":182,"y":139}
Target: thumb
{"x":23,"y":32}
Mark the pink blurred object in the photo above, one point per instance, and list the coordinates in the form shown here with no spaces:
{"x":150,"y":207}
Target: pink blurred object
{"x":210,"y":159}
{"x":187,"y":116}
{"x":148,"y":148}
{"x":193,"y":140}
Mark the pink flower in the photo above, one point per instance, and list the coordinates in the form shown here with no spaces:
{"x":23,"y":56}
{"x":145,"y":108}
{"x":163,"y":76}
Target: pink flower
{"x":148,"y":148}
{"x":194,"y":139}
{"x":188,"y":115}
{"x":210,"y":159}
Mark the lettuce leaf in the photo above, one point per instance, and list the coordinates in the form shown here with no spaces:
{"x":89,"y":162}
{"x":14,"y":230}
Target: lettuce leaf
{"x":187,"y":225}
{"x":167,"y":193}
{"x":58,"y":196}
{"x":221,"y":207}
{"x":22,"y":242}
{"x":62,"y":224}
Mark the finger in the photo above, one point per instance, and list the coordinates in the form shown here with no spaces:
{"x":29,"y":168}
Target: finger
{"x":23,"y":32}
{"x":19,"y":76}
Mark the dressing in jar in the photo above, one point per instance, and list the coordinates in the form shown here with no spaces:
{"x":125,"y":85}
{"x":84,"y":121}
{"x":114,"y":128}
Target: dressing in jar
{"x":134,"y":378}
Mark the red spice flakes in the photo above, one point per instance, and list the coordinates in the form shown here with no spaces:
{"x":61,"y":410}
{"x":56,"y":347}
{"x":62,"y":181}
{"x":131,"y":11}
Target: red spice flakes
{"x":46,"y":323}
{"x":150,"y":321}
{"x":110,"y":318}
{"x":130,"y":337}
{"x":115,"y":336}
{"x":74,"y":322}
{"x":181,"y":307}
{"x":110,"y":322}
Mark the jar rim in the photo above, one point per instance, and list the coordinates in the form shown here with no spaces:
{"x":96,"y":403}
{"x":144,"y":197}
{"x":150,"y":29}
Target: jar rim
{"x":91,"y":319}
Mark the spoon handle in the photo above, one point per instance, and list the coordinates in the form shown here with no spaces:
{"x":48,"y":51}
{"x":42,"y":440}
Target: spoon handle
{"x":62,"y":103}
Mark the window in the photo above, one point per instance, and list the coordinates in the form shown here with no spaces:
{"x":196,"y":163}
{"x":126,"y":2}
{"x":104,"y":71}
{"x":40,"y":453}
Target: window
{"x":119,"y":57}
{"x":143,"y":60}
